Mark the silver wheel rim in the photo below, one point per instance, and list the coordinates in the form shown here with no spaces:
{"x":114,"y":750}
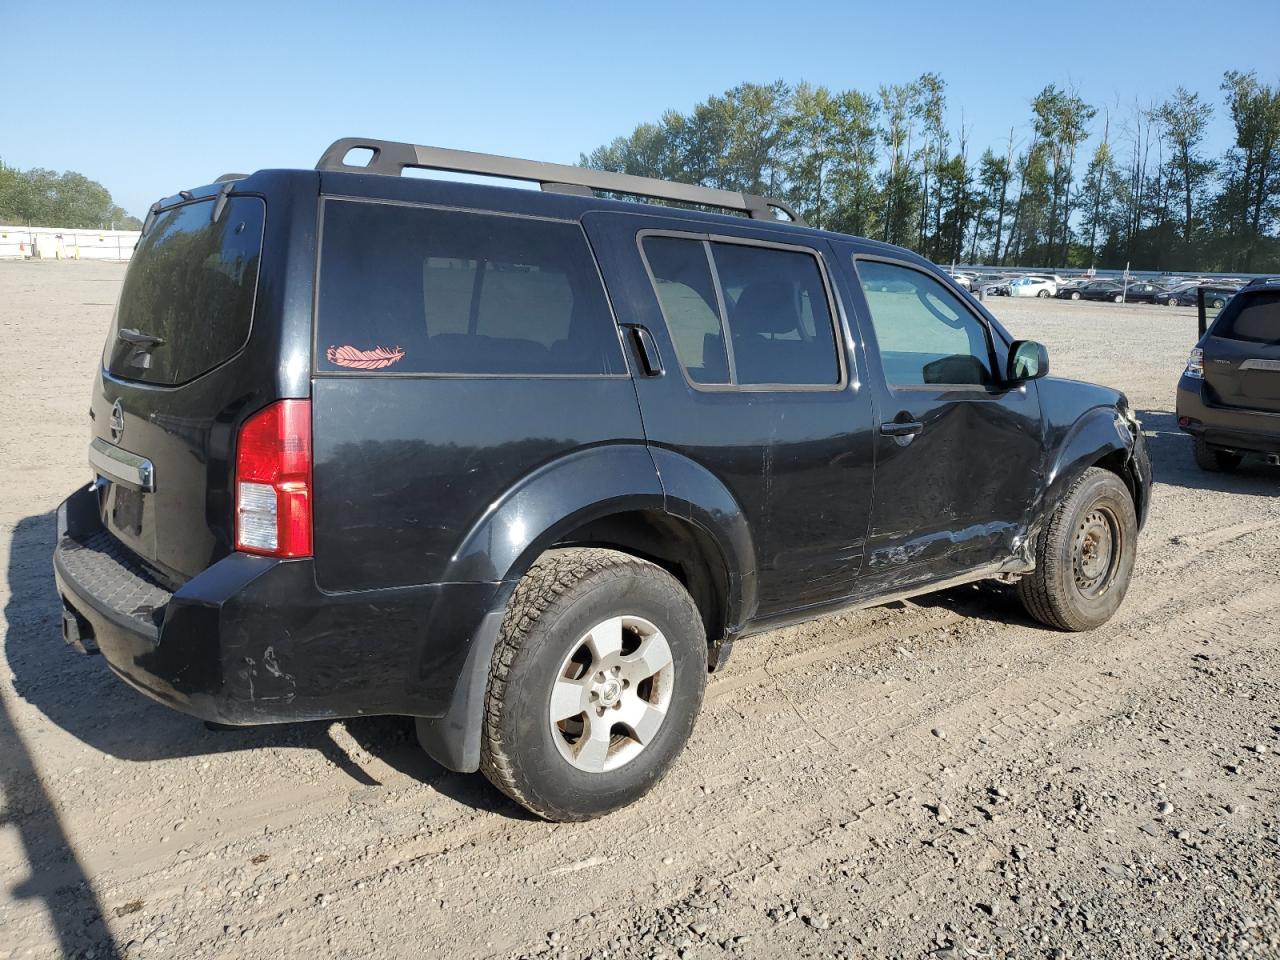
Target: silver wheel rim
{"x":611,"y":694}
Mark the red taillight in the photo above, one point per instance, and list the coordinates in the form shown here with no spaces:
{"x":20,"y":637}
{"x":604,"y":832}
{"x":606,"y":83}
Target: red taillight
{"x":273,"y":481}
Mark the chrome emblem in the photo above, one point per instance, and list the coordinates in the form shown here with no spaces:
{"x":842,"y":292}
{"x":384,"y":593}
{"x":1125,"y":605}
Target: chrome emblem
{"x":117,"y":422}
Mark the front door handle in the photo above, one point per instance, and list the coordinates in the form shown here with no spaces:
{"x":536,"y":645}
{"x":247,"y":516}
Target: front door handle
{"x":901,"y":428}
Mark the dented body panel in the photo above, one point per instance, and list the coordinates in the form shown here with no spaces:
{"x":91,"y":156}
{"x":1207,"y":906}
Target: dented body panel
{"x":434,"y":494}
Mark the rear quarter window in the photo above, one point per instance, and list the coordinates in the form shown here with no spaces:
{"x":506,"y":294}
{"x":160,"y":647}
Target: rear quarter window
{"x":1256,"y":320}
{"x":421,"y":290}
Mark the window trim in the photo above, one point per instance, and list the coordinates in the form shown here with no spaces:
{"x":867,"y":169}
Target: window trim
{"x":835,"y":310}
{"x":316,"y":370}
{"x":987,"y":389}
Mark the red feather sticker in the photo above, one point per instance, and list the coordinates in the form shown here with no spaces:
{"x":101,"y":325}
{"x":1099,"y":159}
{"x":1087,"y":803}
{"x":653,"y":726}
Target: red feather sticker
{"x":374,"y":359}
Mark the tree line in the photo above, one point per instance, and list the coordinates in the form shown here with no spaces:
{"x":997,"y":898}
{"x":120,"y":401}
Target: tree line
{"x":46,"y":198}
{"x":1080,"y":186}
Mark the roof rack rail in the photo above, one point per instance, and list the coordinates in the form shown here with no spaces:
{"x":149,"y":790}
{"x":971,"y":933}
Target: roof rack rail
{"x":390,"y":158}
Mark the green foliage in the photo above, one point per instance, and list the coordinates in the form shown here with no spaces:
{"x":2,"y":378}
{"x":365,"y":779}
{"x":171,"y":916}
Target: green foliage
{"x":884,"y":166}
{"x":44,"y":198}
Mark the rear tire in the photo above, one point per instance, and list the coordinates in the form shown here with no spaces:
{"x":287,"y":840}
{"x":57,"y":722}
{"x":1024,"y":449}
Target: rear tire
{"x":582,"y":627}
{"x":1084,"y":555}
{"x":1215,"y":459}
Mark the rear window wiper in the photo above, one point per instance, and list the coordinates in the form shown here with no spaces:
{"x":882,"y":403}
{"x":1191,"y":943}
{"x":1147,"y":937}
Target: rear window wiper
{"x":136,"y":338}
{"x":141,"y":345}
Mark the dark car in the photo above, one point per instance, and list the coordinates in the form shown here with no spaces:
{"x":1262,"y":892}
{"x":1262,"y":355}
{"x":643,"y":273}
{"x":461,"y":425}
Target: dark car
{"x":1229,"y":394}
{"x":1103,"y":290}
{"x":1216,"y":296}
{"x":1093,"y":290}
{"x":523,"y":465}
{"x":1142,"y":292}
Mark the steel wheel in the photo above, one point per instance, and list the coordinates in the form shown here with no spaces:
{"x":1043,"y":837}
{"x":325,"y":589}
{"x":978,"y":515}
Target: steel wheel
{"x":1095,"y":548}
{"x":611,"y":694}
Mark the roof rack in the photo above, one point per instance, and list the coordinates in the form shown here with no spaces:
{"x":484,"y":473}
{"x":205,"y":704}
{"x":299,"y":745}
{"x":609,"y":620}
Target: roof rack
{"x":390,"y":158}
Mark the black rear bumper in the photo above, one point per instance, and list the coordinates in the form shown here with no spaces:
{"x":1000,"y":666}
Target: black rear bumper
{"x":1232,"y":428}
{"x":253,"y":640}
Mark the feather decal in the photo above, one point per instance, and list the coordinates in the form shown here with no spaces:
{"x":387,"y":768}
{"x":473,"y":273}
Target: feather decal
{"x":356,"y":359}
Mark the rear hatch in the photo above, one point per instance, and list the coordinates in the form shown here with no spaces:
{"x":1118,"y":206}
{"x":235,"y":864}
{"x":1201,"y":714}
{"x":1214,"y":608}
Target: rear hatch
{"x":190,"y":353}
{"x":1242,"y":352}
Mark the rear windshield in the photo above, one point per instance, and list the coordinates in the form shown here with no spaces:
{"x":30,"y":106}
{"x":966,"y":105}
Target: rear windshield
{"x":187,"y":300}
{"x":1256,"y":320}
{"x":421,"y":290}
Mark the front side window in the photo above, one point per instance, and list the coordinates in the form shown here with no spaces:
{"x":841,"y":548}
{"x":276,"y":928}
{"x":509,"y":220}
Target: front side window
{"x":926,"y":336}
{"x":421,"y":290}
{"x":771,"y":301}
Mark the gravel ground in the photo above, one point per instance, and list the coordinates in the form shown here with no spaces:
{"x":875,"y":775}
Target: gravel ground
{"x":938,"y":778}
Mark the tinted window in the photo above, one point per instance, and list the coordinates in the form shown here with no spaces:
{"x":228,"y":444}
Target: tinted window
{"x":778,"y":315}
{"x":682,"y":280}
{"x":418,"y":290}
{"x":1257,"y":320}
{"x":925,"y":334}
{"x":187,"y":300}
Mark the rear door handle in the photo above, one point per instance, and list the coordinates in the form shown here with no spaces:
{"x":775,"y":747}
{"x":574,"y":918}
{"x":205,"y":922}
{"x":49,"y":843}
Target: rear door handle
{"x":647,"y":348}
{"x":901,"y":428}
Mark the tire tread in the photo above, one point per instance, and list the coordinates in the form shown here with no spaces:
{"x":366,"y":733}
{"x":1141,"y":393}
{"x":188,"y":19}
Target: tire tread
{"x":552,"y":575}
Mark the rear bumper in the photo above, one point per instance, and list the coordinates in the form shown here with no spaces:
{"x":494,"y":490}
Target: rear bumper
{"x":1229,"y":427}
{"x":253,"y":640}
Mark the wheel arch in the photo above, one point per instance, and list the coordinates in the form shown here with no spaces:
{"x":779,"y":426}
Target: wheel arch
{"x":1101,"y":437}
{"x":610,"y":496}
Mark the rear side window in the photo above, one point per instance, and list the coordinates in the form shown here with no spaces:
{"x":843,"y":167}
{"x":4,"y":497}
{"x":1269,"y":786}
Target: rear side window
{"x":682,"y":279}
{"x":1256,"y":321}
{"x":771,"y":301}
{"x":420,"y":290}
{"x":187,"y":300}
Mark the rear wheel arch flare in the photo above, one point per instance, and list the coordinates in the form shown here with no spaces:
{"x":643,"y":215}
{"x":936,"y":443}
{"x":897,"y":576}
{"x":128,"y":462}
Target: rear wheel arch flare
{"x":681,"y":547}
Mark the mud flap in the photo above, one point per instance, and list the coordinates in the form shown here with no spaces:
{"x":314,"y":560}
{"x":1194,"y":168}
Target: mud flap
{"x":453,"y":740}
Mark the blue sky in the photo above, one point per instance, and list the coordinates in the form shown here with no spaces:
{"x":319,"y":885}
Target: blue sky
{"x":149,"y":97}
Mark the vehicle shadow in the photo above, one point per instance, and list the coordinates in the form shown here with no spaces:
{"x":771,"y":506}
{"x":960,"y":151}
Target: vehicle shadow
{"x":81,"y":696}
{"x":1172,"y":462}
{"x":55,"y":876}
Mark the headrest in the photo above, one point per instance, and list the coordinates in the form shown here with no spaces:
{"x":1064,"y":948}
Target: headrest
{"x":766,"y":306}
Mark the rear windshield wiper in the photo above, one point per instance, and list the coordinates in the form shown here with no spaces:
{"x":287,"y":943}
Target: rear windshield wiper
{"x":141,"y":344}
{"x":138,"y":339}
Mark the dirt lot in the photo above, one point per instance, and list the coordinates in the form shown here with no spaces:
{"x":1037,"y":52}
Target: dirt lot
{"x":938,"y":778}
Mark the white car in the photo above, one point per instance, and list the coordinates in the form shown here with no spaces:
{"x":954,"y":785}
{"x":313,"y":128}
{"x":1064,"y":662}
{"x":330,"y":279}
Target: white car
{"x":1033,"y":287}
{"x":962,"y":280}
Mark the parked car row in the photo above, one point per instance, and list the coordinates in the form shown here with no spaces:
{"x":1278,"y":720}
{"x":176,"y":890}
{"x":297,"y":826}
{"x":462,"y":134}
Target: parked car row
{"x":1168,"y":291}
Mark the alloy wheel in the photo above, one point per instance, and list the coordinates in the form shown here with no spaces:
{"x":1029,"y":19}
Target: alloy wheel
{"x":611,"y":694}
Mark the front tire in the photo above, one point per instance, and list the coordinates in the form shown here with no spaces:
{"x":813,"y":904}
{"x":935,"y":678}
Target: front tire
{"x":1075,"y":296}
{"x":1084,"y":555}
{"x":1118,"y":298}
{"x":1172,"y":302}
{"x":1215,"y":459}
{"x":1043,"y":294}
{"x":596,"y":681}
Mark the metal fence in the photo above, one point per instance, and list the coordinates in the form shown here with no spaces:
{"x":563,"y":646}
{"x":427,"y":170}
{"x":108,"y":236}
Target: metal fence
{"x":65,"y":243}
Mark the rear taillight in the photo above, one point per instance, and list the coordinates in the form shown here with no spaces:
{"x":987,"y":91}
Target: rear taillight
{"x":1195,"y":364}
{"x":273,"y":481}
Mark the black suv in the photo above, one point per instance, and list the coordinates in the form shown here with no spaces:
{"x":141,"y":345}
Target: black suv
{"x":1229,"y":394}
{"x":523,"y":464}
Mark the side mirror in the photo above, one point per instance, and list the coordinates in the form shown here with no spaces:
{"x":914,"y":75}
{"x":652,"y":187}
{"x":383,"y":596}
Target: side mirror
{"x":1028,"y":360}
